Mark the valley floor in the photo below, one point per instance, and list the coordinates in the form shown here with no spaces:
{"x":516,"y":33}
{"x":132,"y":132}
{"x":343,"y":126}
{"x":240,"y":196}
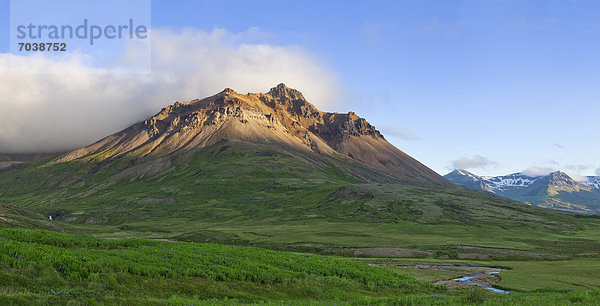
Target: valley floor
{"x":42,"y":267}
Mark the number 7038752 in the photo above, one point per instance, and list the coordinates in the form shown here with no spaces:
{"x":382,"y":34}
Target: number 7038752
{"x":42,"y":47}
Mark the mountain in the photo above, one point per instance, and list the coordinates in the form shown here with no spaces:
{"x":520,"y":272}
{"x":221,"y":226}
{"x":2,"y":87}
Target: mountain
{"x":281,"y":118}
{"x":468,"y":179}
{"x":556,"y":190}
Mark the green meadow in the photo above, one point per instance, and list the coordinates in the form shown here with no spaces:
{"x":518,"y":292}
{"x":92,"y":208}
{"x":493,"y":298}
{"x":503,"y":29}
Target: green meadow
{"x":38,"y":266}
{"x":237,"y":224}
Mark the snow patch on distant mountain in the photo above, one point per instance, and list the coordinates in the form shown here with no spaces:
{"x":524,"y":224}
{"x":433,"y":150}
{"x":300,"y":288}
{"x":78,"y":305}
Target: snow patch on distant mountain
{"x":467,"y":173}
{"x":592,"y":181}
{"x":518,"y":180}
{"x":556,"y":190}
{"x":515,"y":180}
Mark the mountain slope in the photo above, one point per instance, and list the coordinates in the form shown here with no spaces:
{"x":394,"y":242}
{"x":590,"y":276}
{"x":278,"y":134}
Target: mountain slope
{"x":556,"y":190}
{"x":13,"y":217}
{"x":468,"y":179}
{"x":8,"y":160}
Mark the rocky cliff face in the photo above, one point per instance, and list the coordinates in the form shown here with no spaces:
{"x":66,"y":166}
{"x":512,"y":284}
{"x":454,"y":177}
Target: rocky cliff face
{"x":280,"y":117}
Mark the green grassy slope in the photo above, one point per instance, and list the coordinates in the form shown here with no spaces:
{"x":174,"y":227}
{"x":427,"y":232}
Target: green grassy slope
{"x":50,"y":267}
{"x":579,"y":274}
{"x":13,"y":217}
{"x":542,"y":195}
{"x":251,"y":194}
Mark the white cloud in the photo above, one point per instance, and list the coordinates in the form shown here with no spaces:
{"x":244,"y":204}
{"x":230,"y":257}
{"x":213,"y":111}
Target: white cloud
{"x":476,"y":161}
{"x":551,"y":162}
{"x":538,"y":171}
{"x":598,"y":172}
{"x":51,"y":104}
{"x":575,"y":171}
{"x":578,"y":168}
{"x":205,"y":63}
{"x":398,"y":132}
{"x":577,"y":177}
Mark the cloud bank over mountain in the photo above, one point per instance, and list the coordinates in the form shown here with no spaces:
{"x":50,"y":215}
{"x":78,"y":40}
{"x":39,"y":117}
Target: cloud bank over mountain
{"x":54,"y":104}
{"x":474,"y":162}
{"x":538,"y":171}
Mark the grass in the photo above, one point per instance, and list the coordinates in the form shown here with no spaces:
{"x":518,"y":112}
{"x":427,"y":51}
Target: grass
{"x":581,"y":274}
{"x":41,"y":267}
{"x":427,"y":275}
{"x":11,"y":216}
{"x":578,"y":274}
{"x":53,"y":265}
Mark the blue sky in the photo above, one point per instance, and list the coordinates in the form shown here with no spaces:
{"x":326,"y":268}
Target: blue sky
{"x":493,"y":86}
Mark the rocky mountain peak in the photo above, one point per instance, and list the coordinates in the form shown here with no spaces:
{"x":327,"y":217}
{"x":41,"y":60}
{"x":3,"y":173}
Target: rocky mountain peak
{"x":282,"y":92}
{"x":228,"y":91}
{"x":352,"y":125}
{"x":560,"y":176}
{"x":561,"y":179}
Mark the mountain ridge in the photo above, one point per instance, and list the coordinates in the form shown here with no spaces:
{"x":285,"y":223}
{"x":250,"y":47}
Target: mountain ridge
{"x":555,"y":190}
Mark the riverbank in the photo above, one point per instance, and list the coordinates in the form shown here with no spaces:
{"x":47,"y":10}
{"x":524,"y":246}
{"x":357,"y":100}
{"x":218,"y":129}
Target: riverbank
{"x":519,"y":276}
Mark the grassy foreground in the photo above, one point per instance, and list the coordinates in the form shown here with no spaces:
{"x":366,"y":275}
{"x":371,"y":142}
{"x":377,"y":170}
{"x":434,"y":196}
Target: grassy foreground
{"x":45,"y":267}
{"x":42,"y":266}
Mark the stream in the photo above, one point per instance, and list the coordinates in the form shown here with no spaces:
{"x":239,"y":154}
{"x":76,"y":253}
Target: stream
{"x":467,"y":280}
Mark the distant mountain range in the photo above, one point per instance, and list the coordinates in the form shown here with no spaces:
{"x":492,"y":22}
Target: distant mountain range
{"x":556,"y":190}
